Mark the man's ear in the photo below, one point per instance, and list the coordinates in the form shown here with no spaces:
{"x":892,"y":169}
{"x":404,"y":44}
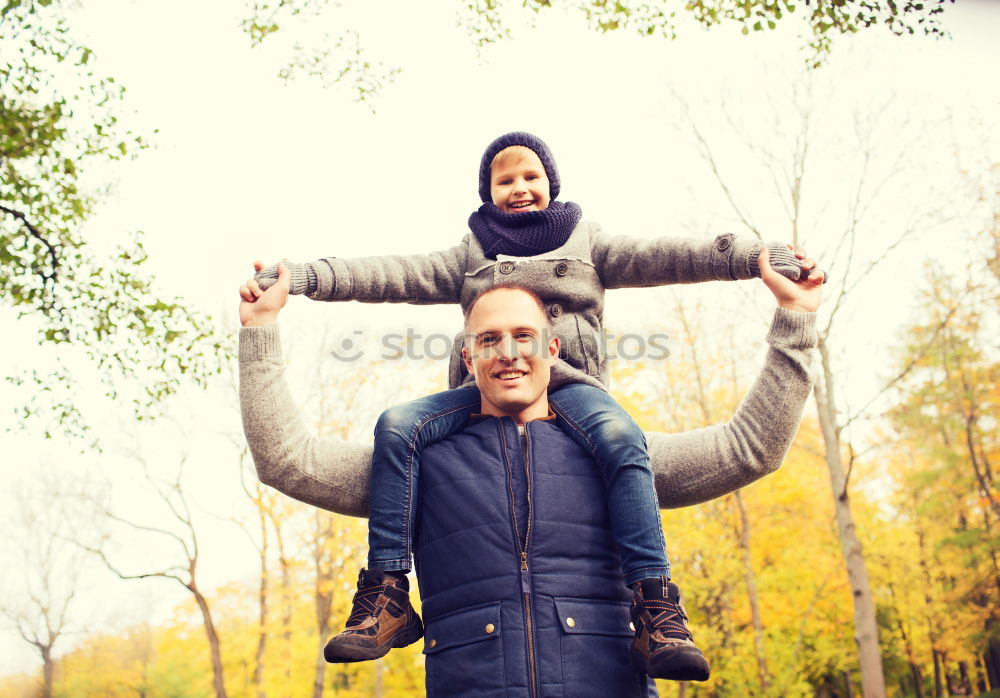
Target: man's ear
{"x":466,"y":359}
{"x":554,"y":348}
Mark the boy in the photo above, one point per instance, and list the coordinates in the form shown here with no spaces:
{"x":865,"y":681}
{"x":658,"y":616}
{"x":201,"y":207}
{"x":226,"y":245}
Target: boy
{"x":522,"y":235}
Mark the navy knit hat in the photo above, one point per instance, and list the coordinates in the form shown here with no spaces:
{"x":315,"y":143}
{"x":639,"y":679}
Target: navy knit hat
{"x":535,"y":144}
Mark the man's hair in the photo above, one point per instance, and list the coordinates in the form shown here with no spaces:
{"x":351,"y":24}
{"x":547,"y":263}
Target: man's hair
{"x":508,"y":287}
{"x":510,"y":153}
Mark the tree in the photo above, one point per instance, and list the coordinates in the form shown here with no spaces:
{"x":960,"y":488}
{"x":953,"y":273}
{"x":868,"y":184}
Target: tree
{"x":343,"y":59}
{"x":184,"y":568}
{"x":872,"y":176}
{"x":45,"y":520}
{"x":945,"y":417}
{"x":58,"y":122}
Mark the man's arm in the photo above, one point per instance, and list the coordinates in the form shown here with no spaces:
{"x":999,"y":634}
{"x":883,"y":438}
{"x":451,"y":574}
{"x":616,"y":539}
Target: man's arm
{"x":691,"y":467}
{"x":627,"y":262}
{"x":700,"y":465}
{"x":436,"y":277}
{"x":696,"y":466}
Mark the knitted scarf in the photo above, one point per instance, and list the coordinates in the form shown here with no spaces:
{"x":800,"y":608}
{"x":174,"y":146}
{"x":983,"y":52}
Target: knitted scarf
{"x":524,"y":234}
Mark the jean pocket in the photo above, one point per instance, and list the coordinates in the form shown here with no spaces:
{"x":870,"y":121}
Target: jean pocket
{"x":464,"y":653}
{"x":594,"y":646}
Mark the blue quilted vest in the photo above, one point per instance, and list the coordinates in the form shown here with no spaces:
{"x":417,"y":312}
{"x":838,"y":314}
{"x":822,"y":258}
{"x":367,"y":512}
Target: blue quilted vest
{"x":520,"y":578}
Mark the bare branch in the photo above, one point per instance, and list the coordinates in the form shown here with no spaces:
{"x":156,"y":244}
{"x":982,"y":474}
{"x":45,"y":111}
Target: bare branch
{"x":914,"y":360}
{"x":53,"y":257}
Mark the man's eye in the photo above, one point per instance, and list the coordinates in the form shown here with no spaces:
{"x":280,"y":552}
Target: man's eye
{"x":523,"y":336}
{"x":489,"y":339}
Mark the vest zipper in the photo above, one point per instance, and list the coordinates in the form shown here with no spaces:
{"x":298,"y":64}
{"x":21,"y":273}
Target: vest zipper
{"x":525,"y":579}
{"x":523,"y":551}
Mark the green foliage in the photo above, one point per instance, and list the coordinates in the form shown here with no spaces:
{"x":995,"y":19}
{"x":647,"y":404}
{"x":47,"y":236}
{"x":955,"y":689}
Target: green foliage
{"x":58,"y":119}
{"x":341,"y":59}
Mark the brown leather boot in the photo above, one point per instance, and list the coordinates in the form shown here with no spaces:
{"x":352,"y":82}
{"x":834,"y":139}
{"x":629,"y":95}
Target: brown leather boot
{"x":663,"y":646}
{"x":381,"y":618}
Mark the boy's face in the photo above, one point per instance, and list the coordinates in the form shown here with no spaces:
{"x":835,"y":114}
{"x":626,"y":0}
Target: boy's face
{"x":518,"y":183}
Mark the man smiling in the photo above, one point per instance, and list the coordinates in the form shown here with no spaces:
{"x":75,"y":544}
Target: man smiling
{"x":512,"y":352}
{"x":519,"y":574}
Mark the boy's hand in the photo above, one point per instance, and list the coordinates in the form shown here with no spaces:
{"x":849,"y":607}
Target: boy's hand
{"x":302,"y":279}
{"x":259,"y":307}
{"x":802,"y":296}
{"x":783,"y":259}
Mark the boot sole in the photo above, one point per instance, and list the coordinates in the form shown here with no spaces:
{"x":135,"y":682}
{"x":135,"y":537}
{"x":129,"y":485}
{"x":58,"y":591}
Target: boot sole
{"x":681,"y":665}
{"x":335,"y":653}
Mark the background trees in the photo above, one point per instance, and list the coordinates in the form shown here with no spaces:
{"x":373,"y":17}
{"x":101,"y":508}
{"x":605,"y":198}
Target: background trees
{"x":242,"y":168}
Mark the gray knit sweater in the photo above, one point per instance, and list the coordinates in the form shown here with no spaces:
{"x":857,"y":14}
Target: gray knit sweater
{"x":570,"y":280}
{"x":691,"y":467}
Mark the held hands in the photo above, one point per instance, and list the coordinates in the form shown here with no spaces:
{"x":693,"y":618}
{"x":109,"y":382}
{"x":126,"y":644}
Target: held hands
{"x":802,"y":296}
{"x":259,"y":307}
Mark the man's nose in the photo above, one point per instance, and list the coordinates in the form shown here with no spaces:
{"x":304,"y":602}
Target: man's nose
{"x":507,"y":347}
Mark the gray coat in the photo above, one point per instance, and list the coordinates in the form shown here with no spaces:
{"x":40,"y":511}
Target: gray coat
{"x":570,"y":280}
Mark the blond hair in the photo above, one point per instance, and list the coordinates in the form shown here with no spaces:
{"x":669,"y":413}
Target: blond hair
{"x":509,"y":153}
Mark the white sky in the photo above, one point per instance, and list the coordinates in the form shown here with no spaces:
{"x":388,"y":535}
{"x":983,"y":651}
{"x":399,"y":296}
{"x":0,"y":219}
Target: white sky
{"x":247,"y":167}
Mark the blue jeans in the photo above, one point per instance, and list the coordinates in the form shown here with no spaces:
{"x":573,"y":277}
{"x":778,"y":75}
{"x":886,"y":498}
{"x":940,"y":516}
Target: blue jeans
{"x":588,"y":414}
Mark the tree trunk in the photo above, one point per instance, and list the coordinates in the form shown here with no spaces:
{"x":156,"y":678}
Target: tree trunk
{"x":286,"y":610}
{"x":213,"y":641}
{"x":379,"y":689}
{"x":258,"y":672}
{"x":963,"y":677}
{"x":48,"y":671}
{"x":918,"y":686}
{"x":938,"y":683}
{"x":991,"y":659}
{"x":319,"y":675}
{"x":865,"y":624}
{"x":758,"y":624}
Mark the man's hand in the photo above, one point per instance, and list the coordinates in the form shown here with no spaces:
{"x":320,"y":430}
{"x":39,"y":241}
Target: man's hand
{"x":802,"y":296}
{"x":258,"y":307}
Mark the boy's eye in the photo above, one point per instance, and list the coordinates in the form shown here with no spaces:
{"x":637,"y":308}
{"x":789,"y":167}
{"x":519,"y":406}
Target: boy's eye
{"x":531,"y":177}
{"x":505,"y":180}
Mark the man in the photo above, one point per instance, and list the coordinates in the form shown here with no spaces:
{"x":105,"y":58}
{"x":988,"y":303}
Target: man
{"x":519,"y":575}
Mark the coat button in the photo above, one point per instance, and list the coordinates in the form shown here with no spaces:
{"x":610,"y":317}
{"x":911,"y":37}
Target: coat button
{"x":506,"y":267}
{"x":570,"y":622}
{"x":631,"y":626}
{"x":725,"y":242}
{"x":432,"y":644}
{"x":556,"y":310}
{"x":561,"y":269}
{"x":490,"y":628}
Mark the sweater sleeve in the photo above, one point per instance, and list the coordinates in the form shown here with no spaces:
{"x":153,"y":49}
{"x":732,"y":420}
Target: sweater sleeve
{"x":436,"y":277}
{"x":327,"y":472}
{"x":697,"y":466}
{"x":689,"y":468}
{"x":627,"y":262}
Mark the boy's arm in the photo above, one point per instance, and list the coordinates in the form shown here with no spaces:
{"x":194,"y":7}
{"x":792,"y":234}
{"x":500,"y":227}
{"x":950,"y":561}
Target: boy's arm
{"x":436,"y":277}
{"x":627,"y":262}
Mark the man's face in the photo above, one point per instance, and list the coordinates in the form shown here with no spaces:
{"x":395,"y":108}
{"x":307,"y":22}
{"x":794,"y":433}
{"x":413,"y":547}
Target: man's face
{"x":518,"y":183}
{"x":510,"y":350}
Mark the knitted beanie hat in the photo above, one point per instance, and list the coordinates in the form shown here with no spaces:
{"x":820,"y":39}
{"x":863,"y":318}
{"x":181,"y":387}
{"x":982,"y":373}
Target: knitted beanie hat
{"x":533,"y":143}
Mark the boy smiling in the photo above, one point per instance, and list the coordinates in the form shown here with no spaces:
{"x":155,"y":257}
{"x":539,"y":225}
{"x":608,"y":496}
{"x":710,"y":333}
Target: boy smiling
{"x":522,"y":235}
